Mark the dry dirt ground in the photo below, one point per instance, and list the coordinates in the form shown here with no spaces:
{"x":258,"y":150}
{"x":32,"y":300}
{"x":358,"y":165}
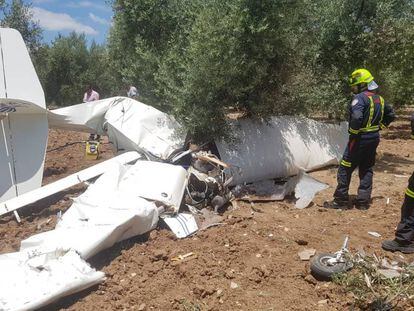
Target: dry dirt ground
{"x":251,"y":263}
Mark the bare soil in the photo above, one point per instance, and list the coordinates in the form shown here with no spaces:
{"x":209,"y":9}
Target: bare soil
{"x":251,"y":263}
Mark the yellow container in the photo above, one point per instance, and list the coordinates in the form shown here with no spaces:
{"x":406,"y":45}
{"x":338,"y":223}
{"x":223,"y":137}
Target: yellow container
{"x":92,"y":150}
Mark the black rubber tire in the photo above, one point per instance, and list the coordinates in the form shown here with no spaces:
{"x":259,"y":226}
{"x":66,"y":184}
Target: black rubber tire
{"x":322,"y":272}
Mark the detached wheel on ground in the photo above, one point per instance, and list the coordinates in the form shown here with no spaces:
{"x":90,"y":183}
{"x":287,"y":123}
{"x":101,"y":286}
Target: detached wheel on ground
{"x":323,"y":269}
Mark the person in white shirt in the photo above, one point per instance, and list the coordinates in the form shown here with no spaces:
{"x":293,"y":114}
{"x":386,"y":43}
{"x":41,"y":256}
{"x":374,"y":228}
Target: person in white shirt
{"x":132,"y":92}
{"x":90,"y":95}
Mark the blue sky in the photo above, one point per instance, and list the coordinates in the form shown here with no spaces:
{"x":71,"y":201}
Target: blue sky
{"x":92,"y":17}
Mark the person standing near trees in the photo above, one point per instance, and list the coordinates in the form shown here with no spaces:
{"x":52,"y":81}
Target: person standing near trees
{"x":132,"y":92}
{"x":90,"y":95}
{"x":368,"y":113}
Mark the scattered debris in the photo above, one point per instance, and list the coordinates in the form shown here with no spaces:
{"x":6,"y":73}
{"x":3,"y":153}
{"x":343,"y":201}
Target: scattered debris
{"x":304,"y":186}
{"x":182,"y":224}
{"x":234,"y":285}
{"x":206,"y":184}
{"x":377,"y":284}
{"x":389,"y":274}
{"x":387,"y":265}
{"x":183,"y":258}
{"x":305,"y":190}
{"x":41,"y":224}
{"x":325,"y":265}
{"x":211,"y":158}
{"x":306,"y":254}
{"x":374,"y":234}
{"x":209,"y":219}
{"x":31,"y":280}
{"x":401,"y":176}
{"x":301,"y":242}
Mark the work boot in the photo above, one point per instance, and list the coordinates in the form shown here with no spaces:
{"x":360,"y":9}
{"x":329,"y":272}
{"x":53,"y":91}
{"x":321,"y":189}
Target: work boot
{"x":395,"y":246}
{"x":336,"y":204}
{"x":362,"y":205}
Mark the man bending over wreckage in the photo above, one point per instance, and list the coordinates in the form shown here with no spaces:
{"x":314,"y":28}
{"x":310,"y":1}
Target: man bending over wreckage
{"x":368,"y":113}
{"x":404,"y":235}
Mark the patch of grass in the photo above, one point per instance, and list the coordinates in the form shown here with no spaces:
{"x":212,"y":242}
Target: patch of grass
{"x":190,"y":306}
{"x":374,"y":291}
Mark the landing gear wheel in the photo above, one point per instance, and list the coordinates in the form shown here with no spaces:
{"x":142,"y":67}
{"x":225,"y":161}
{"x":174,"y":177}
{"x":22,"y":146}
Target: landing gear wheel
{"x":323,"y":270}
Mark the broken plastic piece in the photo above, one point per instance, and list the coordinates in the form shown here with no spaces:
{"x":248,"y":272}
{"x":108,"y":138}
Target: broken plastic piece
{"x":306,"y":189}
{"x":182,"y":224}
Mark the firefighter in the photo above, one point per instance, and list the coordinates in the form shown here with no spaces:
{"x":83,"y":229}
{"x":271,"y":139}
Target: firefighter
{"x":404,"y":235}
{"x":368,"y":113}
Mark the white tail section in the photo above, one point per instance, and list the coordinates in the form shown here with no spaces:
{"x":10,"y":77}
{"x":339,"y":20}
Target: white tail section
{"x":23,"y":119}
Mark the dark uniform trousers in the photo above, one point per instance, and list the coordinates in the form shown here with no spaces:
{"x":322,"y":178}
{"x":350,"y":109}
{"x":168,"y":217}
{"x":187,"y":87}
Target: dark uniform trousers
{"x":360,"y":152}
{"x":405,"y":229}
{"x":412,"y":124}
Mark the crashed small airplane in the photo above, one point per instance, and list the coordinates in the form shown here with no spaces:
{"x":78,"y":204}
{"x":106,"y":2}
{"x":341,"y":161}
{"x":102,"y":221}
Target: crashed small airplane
{"x":129,"y":197}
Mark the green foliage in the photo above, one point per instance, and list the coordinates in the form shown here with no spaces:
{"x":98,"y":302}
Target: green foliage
{"x":68,"y":65}
{"x":17,"y":15}
{"x":198,"y":59}
{"x":378,"y":35}
{"x":67,"y":61}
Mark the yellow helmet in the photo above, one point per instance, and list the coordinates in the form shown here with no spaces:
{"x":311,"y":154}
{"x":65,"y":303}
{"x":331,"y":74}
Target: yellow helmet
{"x":360,"y":76}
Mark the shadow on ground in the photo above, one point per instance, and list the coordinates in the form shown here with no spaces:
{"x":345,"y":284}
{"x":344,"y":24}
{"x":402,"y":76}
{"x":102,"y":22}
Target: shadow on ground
{"x":392,"y":163}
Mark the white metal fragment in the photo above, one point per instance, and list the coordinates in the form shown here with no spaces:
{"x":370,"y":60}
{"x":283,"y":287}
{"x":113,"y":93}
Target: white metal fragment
{"x":389,"y":273}
{"x":113,"y":209}
{"x":45,"y":277}
{"x":182,"y":224}
{"x":66,"y":182}
{"x":374,"y":234}
{"x":305,"y":190}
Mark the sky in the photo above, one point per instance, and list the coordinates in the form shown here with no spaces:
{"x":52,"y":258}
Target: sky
{"x":91,"y":17}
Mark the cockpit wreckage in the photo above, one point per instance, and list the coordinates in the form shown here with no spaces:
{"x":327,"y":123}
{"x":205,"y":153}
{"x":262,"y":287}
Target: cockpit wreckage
{"x":155,"y":175}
